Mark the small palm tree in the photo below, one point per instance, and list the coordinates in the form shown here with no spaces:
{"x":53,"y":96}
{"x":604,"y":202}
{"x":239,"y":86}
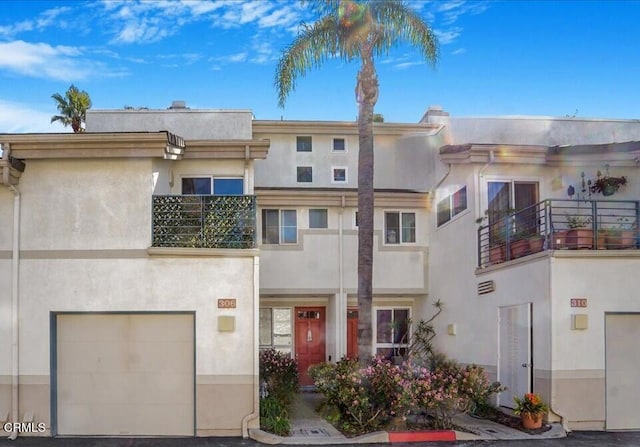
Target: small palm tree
{"x":72,"y":107}
{"x":357,"y":30}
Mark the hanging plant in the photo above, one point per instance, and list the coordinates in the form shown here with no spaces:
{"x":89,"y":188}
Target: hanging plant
{"x":607,"y":185}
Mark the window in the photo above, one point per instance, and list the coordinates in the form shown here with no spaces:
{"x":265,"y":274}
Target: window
{"x":451,"y":206}
{"x":222,"y":186}
{"x":196,"y":185}
{"x":339,"y":145}
{"x":304,"y":174}
{"x":339,"y":175}
{"x":275,"y":329}
{"x":303,"y":144}
{"x":318,"y":218}
{"x":279,"y":227}
{"x":228,"y":186}
{"x":391,"y":331}
{"x":355,"y":219}
{"x":399,"y":228}
{"x":506,"y":196}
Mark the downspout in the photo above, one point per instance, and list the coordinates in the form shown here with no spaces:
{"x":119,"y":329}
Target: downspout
{"x":492,"y":158}
{"x":15,"y":263}
{"x":342,"y":304}
{"x":255,"y":414}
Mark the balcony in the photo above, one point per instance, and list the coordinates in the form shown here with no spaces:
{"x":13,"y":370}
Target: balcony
{"x":557,"y":224}
{"x":204,"y":221}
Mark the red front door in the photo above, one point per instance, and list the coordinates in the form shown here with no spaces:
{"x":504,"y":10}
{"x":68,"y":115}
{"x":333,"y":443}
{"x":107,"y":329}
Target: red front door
{"x":352,"y":333}
{"x":310,"y":345}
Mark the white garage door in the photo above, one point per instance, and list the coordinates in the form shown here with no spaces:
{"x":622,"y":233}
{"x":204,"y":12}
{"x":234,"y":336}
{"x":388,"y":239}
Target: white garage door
{"x":125,"y":374}
{"x":622,"y":332}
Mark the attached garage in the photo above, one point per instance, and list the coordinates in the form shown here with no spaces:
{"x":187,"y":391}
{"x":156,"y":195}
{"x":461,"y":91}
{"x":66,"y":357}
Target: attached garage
{"x":622,"y":332}
{"x":123,"y":374}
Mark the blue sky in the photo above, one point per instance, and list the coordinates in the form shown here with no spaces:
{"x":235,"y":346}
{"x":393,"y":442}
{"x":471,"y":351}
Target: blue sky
{"x":553,"y":58}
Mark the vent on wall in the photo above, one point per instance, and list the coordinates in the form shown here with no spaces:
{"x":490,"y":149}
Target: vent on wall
{"x":486,"y":287}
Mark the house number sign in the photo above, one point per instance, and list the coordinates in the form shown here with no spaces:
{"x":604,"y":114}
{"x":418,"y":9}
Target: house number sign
{"x":226,"y":303}
{"x":578,"y":302}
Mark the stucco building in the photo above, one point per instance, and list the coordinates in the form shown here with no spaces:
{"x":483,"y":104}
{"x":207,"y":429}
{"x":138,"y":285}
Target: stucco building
{"x":117,"y":231}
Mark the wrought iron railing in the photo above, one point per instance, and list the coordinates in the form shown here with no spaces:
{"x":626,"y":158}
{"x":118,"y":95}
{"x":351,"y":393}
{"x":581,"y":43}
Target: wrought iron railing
{"x":557,"y":224}
{"x":204,"y":221}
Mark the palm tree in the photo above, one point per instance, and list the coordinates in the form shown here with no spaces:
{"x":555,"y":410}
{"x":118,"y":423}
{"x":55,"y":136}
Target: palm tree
{"x":72,"y":107}
{"x":362,"y":30}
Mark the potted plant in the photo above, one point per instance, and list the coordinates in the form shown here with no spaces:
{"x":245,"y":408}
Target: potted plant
{"x":536,"y":243}
{"x":531,"y":409}
{"x":519,"y":244}
{"x":579,"y":234}
{"x":496,"y":236}
{"x":607,"y":185}
{"x":624,"y":235}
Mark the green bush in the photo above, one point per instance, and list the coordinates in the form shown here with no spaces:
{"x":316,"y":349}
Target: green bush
{"x":274,"y":417}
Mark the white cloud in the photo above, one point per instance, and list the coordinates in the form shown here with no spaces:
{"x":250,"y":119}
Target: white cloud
{"x":23,"y":118}
{"x":285,"y":16}
{"x":41,"y":60}
{"x":405,"y":65}
{"x":459,"y":51}
{"x":446,"y":37}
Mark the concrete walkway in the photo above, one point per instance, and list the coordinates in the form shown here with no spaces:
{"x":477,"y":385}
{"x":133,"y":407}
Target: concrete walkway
{"x":309,"y":428}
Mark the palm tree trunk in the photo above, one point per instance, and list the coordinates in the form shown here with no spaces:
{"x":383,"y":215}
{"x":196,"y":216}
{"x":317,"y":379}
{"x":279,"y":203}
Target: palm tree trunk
{"x":366,"y":95}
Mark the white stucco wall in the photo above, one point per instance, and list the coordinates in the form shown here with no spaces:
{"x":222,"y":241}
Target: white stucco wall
{"x":150,"y":284}
{"x":610,"y":284}
{"x":313,"y":263}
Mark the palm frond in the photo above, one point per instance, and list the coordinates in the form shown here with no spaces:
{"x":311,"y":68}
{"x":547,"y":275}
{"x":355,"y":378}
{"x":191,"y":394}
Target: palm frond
{"x":397,"y":23}
{"x":315,"y":44}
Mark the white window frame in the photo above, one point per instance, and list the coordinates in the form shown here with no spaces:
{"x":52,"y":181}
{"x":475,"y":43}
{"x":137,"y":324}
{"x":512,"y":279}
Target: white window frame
{"x":449,"y":198}
{"x":355,"y":219}
{"x":212,"y":179}
{"x":326,"y":214}
{"x":400,"y":214}
{"x":484,"y":188}
{"x":333,"y":145}
{"x":375,"y":343}
{"x":333,"y":176}
{"x":287,"y":349}
{"x":280,"y":226}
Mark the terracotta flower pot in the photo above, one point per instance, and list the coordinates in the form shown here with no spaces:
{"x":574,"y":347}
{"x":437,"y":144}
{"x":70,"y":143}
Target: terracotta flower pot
{"x":580,"y":238}
{"x":519,"y":248}
{"x":531,"y":421}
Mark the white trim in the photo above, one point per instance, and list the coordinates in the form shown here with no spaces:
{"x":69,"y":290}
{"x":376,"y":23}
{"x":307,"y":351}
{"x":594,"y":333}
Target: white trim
{"x":212,"y":179}
{"x":280,"y":227}
{"x":375,"y":344}
{"x":400,"y":213}
{"x":333,"y":145}
{"x":333,"y":174}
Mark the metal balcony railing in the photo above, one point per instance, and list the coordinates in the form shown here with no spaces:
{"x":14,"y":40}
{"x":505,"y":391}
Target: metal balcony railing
{"x":557,"y":224}
{"x":204,"y":221}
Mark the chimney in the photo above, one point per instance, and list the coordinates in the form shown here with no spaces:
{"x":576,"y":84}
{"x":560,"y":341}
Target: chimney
{"x":435,"y":114}
{"x":178,"y":105}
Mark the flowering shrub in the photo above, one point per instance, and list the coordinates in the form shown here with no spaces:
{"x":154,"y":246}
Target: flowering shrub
{"x":364,"y":397}
{"x":280,"y":374}
{"x":368,"y":397}
{"x":478,"y":389}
